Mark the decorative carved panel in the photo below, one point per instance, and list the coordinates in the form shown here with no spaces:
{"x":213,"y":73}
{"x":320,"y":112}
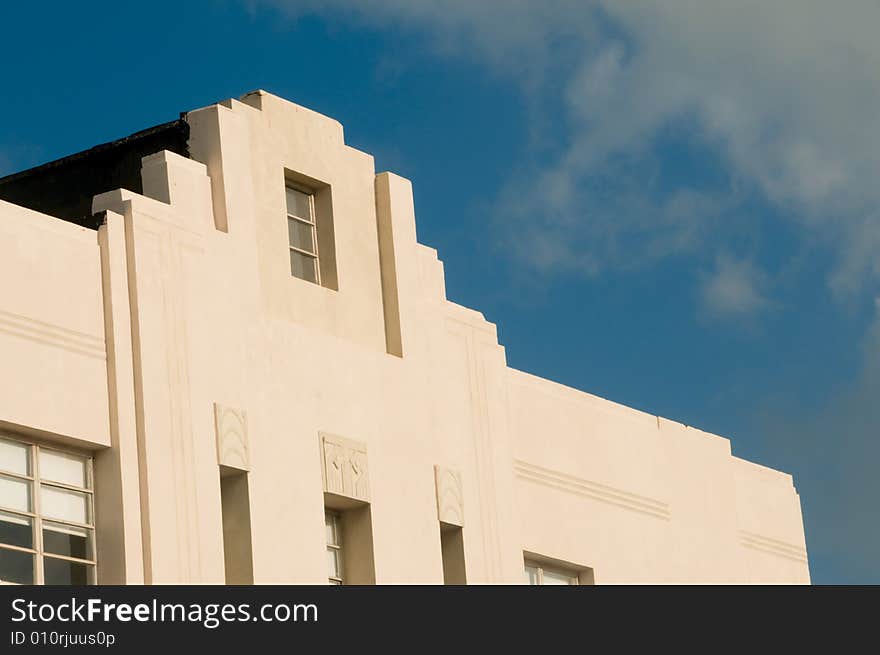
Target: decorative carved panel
{"x":232,"y":437}
{"x":344,"y":467}
{"x":450,"y":499}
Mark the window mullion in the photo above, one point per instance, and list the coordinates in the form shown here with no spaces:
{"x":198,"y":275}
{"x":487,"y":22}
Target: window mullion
{"x":91,"y":535}
{"x":305,"y":221}
{"x":314,"y":217}
{"x":67,"y":487}
{"x":21,"y":549}
{"x":38,"y":521}
{"x":17,"y":476}
{"x":304,"y":252}
{"x":68,"y":558}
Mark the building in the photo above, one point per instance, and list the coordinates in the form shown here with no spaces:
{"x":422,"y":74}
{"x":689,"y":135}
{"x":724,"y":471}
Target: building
{"x":226,"y":358}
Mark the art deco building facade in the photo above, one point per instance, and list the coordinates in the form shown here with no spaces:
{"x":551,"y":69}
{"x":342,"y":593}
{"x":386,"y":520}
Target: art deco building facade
{"x":226,"y":358}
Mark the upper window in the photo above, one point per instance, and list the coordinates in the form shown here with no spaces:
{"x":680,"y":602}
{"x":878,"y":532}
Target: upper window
{"x":47,"y":527}
{"x":540,"y":574}
{"x":334,"y":547}
{"x":302,"y":235}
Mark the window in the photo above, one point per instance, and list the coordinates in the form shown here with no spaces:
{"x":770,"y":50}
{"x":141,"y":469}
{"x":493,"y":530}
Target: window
{"x":541,"y":574}
{"x":348,"y":526}
{"x":303,"y":235}
{"x":452,"y":553}
{"x":310,"y":234}
{"x":236,"y":513}
{"x":47,"y":527}
{"x":334,"y":547}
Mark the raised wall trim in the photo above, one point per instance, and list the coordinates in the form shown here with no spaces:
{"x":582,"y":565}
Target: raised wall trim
{"x":344,"y":469}
{"x":772,"y":546}
{"x":233,"y":448}
{"x":590,"y":489}
{"x":50,"y":334}
{"x":450,"y":498}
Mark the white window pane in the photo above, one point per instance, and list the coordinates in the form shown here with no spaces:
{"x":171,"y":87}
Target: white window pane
{"x":333,"y":563}
{"x":15,"y":493}
{"x":14,"y":457}
{"x":62,"y":467}
{"x":531,"y":575}
{"x":551,"y":578}
{"x":298,"y":204}
{"x":64,"y":504}
{"x":16,"y":530}
{"x":330,"y":528}
{"x":300,"y":235}
{"x":303,"y":266}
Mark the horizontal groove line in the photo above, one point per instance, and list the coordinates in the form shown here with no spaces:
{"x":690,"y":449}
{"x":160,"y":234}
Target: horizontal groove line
{"x":759,"y":537}
{"x":98,"y":341}
{"x":588,"y":486}
{"x":594,"y":490}
{"x":772,"y":546}
{"x":526,"y":466}
{"x":82,"y":344}
{"x":773,"y":551}
{"x":76,"y":348}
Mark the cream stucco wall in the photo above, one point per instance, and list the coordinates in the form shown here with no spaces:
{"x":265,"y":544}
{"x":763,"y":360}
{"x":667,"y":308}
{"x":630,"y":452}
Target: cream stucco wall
{"x":204,"y":350}
{"x":51,"y":327}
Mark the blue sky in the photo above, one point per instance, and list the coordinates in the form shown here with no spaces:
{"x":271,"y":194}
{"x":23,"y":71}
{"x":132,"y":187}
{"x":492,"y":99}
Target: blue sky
{"x":673,"y":204}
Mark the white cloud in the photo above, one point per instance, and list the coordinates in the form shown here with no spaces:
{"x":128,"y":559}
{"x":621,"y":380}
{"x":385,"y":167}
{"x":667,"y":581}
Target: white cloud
{"x":734,"y":288}
{"x":784,"y":93}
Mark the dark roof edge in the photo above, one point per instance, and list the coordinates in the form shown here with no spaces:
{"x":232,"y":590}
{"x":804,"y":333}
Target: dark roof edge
{"x":179,"y":123}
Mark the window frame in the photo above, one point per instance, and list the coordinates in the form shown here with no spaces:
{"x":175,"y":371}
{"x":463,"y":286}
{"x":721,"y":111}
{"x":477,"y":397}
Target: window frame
{"x":335,"y":519}
{"x":572,"y":575}
{"x":35,"y":485}
{"x":313,"y":224}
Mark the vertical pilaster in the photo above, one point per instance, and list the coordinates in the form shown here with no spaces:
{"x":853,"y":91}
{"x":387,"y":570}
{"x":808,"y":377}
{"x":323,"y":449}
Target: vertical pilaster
{"x":118,"y":510}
